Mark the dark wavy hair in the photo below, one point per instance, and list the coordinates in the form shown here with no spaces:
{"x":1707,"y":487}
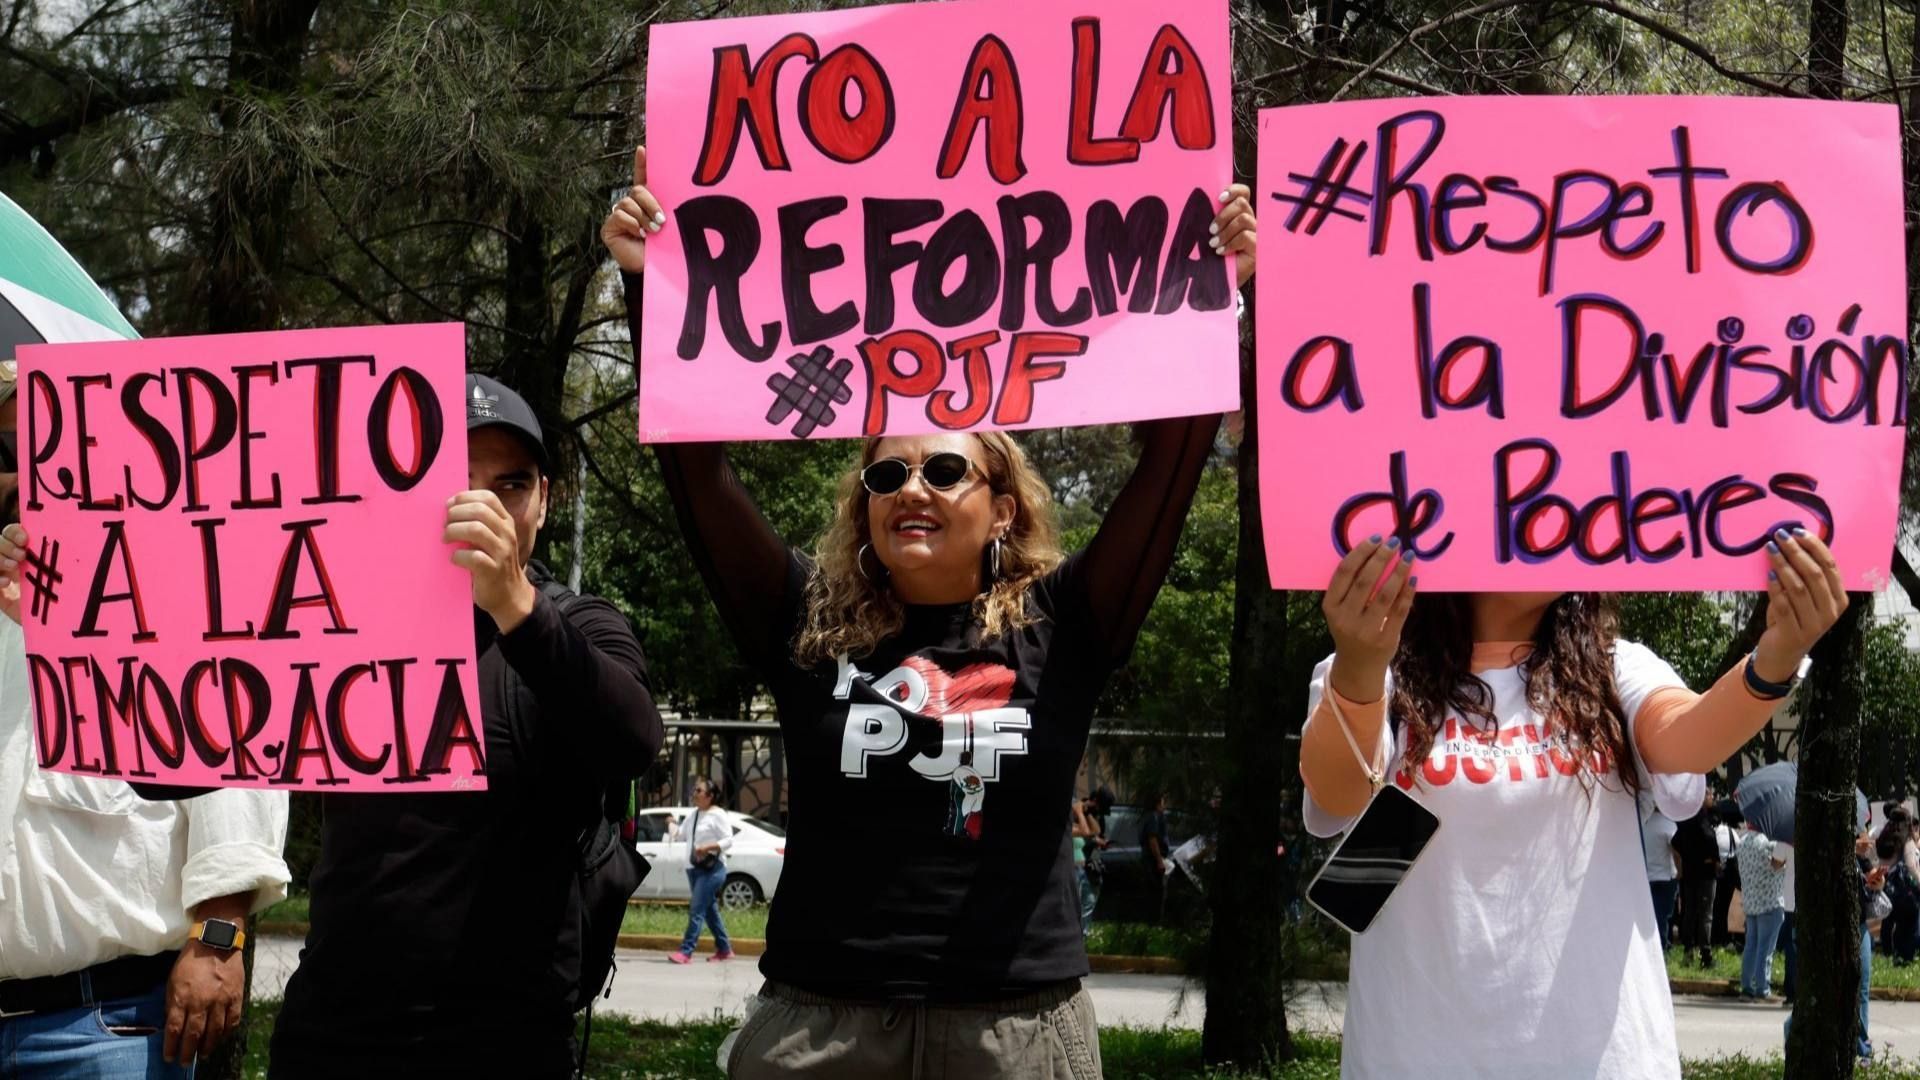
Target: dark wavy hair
{"x":1569,"y":678}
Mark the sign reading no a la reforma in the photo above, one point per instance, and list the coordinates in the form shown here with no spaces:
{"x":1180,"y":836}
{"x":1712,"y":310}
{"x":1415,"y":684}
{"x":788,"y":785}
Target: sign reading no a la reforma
{"x":1580,"y":343}
{"x":938,"y":217}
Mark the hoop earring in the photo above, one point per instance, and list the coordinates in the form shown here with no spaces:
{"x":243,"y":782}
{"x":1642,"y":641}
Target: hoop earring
{"x":993,"y":563}
{"x":860,"y":564}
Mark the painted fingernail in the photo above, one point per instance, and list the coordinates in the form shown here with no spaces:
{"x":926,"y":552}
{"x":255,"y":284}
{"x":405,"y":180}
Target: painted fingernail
{"x":1782,"y":535}
{"x":1226,"y":196}
{"x":660,"y":216}
{"x":1374,"y":539}
{"x":1773,"y":548}
{"x":1773,"y":575}
{"x":1407,"y":555}
{"x":1799,"y":530}
{"x":1214,"y":228}
{"x":1393,"y":541}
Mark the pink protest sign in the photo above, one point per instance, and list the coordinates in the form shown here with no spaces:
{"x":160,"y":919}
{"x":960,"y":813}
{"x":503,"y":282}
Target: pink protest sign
{"x":237,"y":574}
{"x":1580,"y":343}
{"x":937,"y":217}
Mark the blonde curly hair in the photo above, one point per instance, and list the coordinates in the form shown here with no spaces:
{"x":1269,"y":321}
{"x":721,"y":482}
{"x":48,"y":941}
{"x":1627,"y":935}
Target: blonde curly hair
{"x":850,"y":612}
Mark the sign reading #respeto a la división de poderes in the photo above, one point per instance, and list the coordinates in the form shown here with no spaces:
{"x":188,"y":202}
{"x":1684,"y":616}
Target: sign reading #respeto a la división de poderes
{"x":1580,"y":343}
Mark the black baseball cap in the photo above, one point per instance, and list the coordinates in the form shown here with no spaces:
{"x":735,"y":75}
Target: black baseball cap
{"x":491,"y":404}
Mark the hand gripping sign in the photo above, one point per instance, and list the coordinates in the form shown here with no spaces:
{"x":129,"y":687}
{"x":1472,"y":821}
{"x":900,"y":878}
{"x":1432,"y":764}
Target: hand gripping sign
{"x":236,"y":574}
{"x":938,"y":217}
{"x":1594,"y":343}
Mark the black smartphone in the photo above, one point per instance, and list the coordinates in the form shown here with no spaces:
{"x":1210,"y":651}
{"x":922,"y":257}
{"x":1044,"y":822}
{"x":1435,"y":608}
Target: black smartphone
{"x":1372,"y":859}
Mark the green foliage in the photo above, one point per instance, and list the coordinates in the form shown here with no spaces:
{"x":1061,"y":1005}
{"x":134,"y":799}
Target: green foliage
{"x":1691,"y":631}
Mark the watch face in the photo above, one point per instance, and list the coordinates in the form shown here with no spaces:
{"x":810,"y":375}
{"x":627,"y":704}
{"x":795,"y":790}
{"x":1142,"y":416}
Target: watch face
{"x":219,"y":933}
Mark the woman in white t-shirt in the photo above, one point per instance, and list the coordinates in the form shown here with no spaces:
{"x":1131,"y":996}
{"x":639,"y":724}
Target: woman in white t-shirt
{"x":1522,"y":944}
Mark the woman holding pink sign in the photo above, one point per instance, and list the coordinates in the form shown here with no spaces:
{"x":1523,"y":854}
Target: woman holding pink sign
{"x":1516,"y":731}
{"x":935,"y":662}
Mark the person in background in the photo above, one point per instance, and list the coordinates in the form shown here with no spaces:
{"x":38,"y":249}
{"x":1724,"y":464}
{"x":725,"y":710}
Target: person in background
{"x":1761,"y":886}
{"x":1900,"y":856}
{"x":1699,"y":854}
{"x":1873,"y":879}
{"x":1789,"y":943}
{"x":1657,"y":832}
{"x":1155,"y":845}
{"x":1726,"y":836}
{"x":1089,"y":839}
{"x":709,"y":836}
{"x":121,"y":919}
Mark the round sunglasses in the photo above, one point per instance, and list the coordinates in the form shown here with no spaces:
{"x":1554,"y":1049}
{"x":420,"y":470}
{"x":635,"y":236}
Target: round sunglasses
{"x":941,"y":472}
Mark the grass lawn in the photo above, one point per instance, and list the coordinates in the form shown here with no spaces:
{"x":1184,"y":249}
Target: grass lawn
{"x":1726,"y":965}
{"x":651,"y":1050}
{"x":1118,"y":939}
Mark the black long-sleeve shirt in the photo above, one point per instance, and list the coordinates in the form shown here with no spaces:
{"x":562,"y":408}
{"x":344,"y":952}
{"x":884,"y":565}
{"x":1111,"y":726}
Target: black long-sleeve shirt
{"x":926,"y":853}
{"x":439,"y":924}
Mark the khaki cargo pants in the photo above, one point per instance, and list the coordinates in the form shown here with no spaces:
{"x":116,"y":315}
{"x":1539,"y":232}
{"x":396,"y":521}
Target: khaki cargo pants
{"x":789,"y":1034}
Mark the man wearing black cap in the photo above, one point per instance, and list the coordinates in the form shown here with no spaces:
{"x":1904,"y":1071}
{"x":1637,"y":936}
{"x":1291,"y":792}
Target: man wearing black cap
{"x":446,"y":929}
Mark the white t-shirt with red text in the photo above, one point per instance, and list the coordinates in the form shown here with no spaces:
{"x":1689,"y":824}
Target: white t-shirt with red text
{"x":1521,"y":944}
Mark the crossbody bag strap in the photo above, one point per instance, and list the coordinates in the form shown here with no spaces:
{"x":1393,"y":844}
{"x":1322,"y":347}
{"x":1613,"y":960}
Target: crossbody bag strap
{"x":1376,"y":776}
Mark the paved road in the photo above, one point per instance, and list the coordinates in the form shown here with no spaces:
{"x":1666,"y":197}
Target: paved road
{"x":648,"y":986}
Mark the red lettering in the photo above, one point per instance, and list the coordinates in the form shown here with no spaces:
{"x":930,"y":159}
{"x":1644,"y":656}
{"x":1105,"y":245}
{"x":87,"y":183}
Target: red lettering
{"x":1082,"y":147}
{"x":979,"y":384}
{"x":823,"y":94}
{"x":1172,"y":74}
{"x":884,"y":378}
{"x":990,"y":94}
{"x":1016,"y":396}
{"x":734,"y":85}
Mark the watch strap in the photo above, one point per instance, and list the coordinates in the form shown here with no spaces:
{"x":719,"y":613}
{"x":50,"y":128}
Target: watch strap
{"x":1771,"y":691}
{"x":198,"y":933}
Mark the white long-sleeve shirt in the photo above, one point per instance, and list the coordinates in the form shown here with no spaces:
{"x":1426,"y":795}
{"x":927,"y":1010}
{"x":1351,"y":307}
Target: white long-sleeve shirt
{"x":710,"y":827}
{"x":90,"y":872}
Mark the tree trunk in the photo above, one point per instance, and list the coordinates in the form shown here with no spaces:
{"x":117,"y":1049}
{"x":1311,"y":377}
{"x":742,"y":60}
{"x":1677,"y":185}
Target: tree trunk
{"x":252,"y":186}
{"x":1246,"y":1010}
{"x":1825,"y":1029}
{"x":1826,"y":879}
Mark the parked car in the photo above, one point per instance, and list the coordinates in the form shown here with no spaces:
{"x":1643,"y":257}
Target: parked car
{"x":753,"y":865}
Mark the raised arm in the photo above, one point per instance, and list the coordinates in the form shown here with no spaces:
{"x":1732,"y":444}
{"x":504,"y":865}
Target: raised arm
{"x":746,"y":565}
{"x":1682,"y":732}
{"x":586,"y":669}
{"x":1128,"y":559}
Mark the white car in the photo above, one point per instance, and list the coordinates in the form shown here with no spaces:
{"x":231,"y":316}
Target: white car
{"x":753,"y":864}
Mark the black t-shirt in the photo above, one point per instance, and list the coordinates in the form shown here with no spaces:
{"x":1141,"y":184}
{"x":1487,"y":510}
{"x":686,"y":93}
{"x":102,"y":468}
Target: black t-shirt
{"x":444,"y":926}
{"x":927,"y":854}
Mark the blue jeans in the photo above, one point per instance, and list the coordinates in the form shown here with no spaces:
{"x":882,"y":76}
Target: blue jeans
{"x":1756,"y":963}
{"x":108,"y":1040}
{"x":1866,"y":987}
{"x":1663,"y":894}
{"x":1089,"y":899}
{"x":705,"y":887}
{"x":1863,"y":1045}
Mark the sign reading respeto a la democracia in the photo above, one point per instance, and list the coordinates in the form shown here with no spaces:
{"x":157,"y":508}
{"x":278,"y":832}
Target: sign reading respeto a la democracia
{"x":1581,"y":343}
{"x":937,"y":217}
{"x":237,"y":576}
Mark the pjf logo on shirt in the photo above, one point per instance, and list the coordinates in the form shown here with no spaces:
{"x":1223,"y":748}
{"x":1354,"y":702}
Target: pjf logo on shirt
{"x":977,"y":728}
